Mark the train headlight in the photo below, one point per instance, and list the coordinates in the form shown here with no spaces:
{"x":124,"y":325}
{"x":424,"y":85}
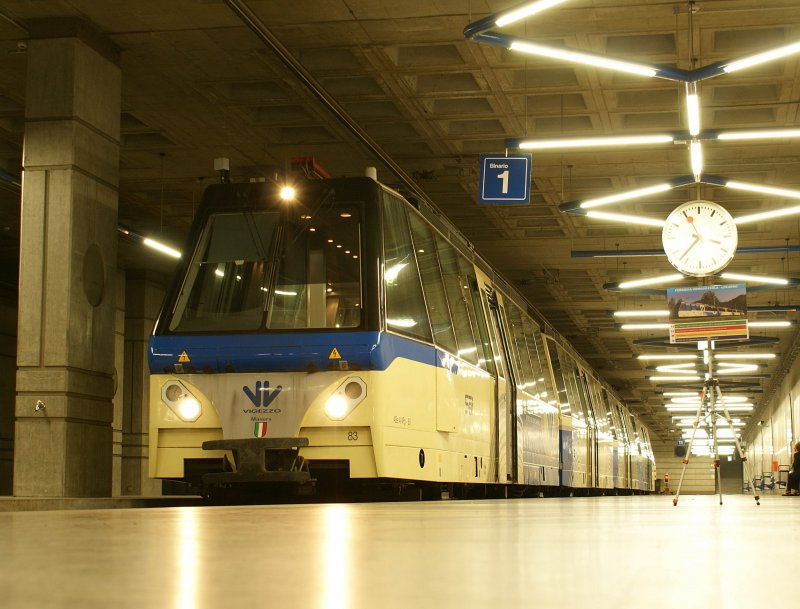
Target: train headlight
{"x":346,"y":397}
{"x":181,"y":401}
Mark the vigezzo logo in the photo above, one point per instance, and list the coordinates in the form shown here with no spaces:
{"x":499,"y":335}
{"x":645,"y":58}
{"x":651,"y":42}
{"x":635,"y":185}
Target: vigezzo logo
{"x":261,"y":396}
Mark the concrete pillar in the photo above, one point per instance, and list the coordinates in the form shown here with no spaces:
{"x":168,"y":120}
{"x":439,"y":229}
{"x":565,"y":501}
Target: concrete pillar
{"x":68,"y":262}
{"x":144,"y":295}
{"x":8,"y":369}
{"x":119,"y":380}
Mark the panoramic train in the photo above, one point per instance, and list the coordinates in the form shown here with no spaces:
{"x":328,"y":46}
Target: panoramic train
{"x":352,"y":335}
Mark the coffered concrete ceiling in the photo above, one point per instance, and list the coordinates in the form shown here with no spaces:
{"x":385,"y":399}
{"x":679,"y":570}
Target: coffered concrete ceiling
{"x":198,"y":83}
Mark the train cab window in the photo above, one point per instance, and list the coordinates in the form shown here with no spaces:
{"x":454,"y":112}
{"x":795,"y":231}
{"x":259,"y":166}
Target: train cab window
{"x":433,"y":284}
{"x":225,"y":283}
{"x":318,"y":277}
{"x":405,"y":304}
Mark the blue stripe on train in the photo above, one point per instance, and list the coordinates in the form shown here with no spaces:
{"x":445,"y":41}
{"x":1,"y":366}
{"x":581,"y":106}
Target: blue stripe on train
{"x":298,"y":352}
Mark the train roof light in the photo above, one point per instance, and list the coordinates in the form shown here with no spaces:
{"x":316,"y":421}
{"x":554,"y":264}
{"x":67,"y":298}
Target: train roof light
{"x":287,"y":193}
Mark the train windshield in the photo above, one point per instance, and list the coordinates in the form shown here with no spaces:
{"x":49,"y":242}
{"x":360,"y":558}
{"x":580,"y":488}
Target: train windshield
{"x":274,"y":270}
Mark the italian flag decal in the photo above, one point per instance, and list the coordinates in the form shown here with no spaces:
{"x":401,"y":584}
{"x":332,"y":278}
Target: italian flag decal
{"x":260,"y":430}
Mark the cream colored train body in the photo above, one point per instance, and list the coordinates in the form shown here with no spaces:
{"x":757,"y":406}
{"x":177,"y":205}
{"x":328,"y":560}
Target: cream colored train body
{"x":353,"y":332}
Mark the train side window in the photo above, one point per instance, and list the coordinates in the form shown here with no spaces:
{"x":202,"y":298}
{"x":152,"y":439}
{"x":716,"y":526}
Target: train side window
{"x":456,"y":297}
{"x":535,"y":379}
{"x":577,"y":398}
{"x":526,"y":379}
{"x":405,"y":304}
{"x":539,"y":365}
{"x":433,"y":284}
{"x":563,"y":396}
{"x":479,"y":321}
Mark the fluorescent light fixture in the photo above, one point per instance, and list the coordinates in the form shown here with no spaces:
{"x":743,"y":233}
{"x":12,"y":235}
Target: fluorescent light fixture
{"x":160,"y":247}
{"x":693,"y":108}
{"x":593,"y":142}
{"x":768,"y":215}
{"x":625,"y":218}
{"x":668,"y":357}
{"x":624,"y":196}
{"x":755,"y":278}
{"x":758,"y":134}
{"x":644,"y":327}
{"x":737,"y":369}
{"x":696,"y":152}
{"x":643,"y":313}
{"x":592,"y":60}
{"x":753,"y":60}
{"x":767,"y":190}
{"x":677,"y":368}
{"x":681,"y":394}
{"x":770,"y":324}
{"x":683,"y":377}
{"x":527,"y":10}
{"x":636,"y":283}
{"x":744,"y":356}
{"x":285,"y":293}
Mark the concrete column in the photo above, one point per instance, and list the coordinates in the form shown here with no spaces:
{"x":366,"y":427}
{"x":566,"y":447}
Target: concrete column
{"x":68,"y":261}
{"x":144,"y":295}
{"x":119,"y":380}
{"x":8,"y":369}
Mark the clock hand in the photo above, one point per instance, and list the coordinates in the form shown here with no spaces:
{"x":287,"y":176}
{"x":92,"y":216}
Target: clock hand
{"x":689,"y":249}
{"x":690,"y":219}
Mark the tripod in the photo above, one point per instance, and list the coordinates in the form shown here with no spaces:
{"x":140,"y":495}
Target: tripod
{"x":712,"y":394}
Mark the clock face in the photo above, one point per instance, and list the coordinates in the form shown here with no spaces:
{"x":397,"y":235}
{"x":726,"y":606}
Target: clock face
{"x":699,"y":238}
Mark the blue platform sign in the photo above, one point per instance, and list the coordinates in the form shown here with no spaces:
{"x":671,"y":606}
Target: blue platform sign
{"x":505,"y":179}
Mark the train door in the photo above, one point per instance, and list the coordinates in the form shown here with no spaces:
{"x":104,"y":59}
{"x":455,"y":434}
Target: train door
{"x":508,"y":417}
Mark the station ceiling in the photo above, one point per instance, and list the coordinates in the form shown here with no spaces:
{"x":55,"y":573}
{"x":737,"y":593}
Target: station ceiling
{"x":204,"y":79}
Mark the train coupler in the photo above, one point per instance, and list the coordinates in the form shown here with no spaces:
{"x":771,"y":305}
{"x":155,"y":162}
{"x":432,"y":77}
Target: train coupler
{"x":261,"y":460}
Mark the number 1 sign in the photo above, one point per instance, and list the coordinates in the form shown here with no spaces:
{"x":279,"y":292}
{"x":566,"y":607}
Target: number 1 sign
{"x":505,"y":179}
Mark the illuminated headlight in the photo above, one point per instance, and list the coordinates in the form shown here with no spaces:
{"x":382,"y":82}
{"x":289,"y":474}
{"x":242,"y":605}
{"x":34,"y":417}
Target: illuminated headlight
{"x":346,"y":397}
{"x":181,"y":401}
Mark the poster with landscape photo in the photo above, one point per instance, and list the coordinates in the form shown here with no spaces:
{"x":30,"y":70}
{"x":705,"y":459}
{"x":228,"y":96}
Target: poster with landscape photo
{"x":707,"y":301}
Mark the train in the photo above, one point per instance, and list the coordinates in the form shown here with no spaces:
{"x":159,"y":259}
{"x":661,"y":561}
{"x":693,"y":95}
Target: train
{"x":350,"y":336}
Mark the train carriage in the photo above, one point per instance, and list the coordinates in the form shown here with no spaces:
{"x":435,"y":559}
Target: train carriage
{"x":351,"y":334}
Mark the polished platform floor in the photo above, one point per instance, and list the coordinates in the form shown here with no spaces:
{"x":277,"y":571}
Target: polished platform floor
{"x":610,"y":552}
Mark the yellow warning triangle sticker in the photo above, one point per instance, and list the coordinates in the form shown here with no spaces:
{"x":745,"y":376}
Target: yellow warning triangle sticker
{"x":183,"y":357}
{"x":334,"y":354}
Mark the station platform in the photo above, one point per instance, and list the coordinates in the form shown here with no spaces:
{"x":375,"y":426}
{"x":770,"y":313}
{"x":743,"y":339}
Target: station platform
{"x":597,"y":553}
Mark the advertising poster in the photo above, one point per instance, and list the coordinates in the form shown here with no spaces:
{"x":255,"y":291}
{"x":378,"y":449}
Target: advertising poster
{"x":707,"y":301}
